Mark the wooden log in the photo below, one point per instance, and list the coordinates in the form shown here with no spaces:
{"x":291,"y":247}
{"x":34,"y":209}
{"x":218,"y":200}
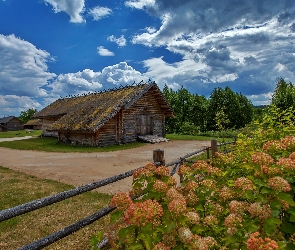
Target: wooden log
{"x":158,"y":157}
{"x":214,"y":147}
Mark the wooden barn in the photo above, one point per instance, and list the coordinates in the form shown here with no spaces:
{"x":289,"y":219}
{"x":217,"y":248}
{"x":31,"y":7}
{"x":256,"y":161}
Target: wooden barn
{"x":107,"y":117}
{"x":34,"y":124}
{"x":9,"y":123}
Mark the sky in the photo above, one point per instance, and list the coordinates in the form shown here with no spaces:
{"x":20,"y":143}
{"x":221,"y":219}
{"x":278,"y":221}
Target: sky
{"x":56,"y":48}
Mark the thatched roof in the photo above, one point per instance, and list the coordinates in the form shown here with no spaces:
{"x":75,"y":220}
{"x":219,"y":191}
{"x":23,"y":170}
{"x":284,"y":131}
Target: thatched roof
{"x":92,"y":111}
{"x":6,"y":119}
{"x":34,"y":122}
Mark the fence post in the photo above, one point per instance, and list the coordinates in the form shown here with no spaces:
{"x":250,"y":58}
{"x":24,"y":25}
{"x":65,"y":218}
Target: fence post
{"x":214,"y":147}
{"x":158,"y":157}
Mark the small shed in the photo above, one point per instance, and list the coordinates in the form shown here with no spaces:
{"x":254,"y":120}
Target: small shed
{"x":34,"y":124}
{"x":9,"y":123}
{"x":110,"y":117}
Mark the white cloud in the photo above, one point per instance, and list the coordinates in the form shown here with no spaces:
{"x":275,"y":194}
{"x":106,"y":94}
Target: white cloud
{"x":121,"y":41}
{"x":140,"y":4}
{"x":102,"y":51}
{"x":246,"y":44}
{"x":99,"y":12}
{"x":89,"y":80}
{"x":74,"y":8}
{"x":23,"y":67}
{"x":12,"y":104}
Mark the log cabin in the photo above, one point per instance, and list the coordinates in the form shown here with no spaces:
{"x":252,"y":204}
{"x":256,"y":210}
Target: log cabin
{"x":110,"y":117}
{"x":10,"y":123}
{"x":34,"y":124}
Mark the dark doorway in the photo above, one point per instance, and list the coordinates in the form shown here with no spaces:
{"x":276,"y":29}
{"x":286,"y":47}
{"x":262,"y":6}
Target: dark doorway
{"x":144,"y":125}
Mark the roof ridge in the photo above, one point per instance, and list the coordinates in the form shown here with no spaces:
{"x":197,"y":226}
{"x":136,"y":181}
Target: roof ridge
{"x":134,"y":84}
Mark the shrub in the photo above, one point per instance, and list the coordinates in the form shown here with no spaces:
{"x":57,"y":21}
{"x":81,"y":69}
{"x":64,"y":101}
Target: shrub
{"x":241,"y":200}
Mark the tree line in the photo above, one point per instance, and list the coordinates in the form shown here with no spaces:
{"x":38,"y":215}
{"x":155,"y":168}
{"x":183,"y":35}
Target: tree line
{"x":223,"y":110}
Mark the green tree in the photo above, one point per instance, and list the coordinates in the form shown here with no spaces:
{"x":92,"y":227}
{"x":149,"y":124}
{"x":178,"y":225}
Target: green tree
{"x":190,"y":110}
{"x":25,"y":116}
{"x":284,"y":95}
{"x":236,"y":108}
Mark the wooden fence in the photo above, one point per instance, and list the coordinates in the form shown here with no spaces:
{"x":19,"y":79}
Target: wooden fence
{"x":158,"y":158}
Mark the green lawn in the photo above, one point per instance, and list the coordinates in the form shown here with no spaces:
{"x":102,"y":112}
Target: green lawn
{"x":49,"y":144}
{"x":17,"y":188}
{"x":20,"y":133}
{"x":195,"y":137}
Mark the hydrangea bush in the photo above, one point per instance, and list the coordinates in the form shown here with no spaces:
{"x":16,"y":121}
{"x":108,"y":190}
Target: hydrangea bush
{"x":240,"y":200}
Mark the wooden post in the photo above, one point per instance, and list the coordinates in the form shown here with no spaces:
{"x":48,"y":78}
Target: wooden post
{"x":214,"y":147}
{"x":158,"y":157}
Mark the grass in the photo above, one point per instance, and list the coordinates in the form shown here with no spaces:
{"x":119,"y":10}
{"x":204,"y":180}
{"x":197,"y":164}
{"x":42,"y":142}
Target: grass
{"x":17,"y":188}
{"x":49,"y":144}
{"x":20,"y":133}
{"x":195,"y":137}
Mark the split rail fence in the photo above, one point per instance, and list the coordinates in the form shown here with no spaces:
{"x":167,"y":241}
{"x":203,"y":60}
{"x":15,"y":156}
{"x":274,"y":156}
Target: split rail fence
{"x":158,"y":158}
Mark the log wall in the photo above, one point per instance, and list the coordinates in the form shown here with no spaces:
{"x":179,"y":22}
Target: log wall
{"x":13,"y":124}
{"x":144,"y":110}
{"x":46,"y":123}
{"x":104,"y":136}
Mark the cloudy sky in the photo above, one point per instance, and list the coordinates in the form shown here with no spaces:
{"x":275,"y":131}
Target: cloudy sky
{"x":53,"y":48}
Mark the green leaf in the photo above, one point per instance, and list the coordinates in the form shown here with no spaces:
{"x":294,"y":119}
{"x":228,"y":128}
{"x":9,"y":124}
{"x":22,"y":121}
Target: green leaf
{"x":117,"y":214}
{"x":123,"y":232}
{"x":265,"y":190}
{"x":288,"y":228}
{"x":136,"y":246}
{"x":271,"y":224}
{"x":292,"y":218}
{"x":147,"y":240}
{"x":287,"y":198}
{"x":167,"y":227}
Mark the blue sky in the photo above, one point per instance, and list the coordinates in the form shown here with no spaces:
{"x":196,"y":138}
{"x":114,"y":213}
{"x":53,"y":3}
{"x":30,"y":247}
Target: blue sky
{"x":53,"y":48}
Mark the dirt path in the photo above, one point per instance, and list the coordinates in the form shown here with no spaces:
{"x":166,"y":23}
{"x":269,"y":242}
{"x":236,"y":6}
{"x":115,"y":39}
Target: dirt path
{"x":83,"y":168}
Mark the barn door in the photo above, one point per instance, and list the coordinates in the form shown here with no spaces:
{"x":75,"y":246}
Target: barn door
{"x":144,"y":125}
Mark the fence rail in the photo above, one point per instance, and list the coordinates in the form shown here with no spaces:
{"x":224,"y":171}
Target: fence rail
{"x":158,"y":157}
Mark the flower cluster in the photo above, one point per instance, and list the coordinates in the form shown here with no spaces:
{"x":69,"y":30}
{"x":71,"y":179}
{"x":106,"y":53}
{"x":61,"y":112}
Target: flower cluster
{"x":272,"y":145}
{"x":141,"y":173}
{"x":270,"y":170}
{"x":244,"y":184}
{"x":121,"y":201}
{"x":238,"y":207}
{"x":279,"y":184}
{"x":286,"y":163}
{"x":288,"y":142}
{"x":177,"y":206}
{"x":262,"y":211}
{"x":160,"y":186}
{"x":262,"y":158}
{"x":141,"y":213}
{"x":162,"y":171}
{"x":255,"y":243}
{"x":233,"y":221}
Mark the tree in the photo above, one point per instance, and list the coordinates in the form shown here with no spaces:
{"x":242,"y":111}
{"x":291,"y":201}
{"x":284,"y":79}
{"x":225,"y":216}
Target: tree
{"x":284,"y":95}
{"x":235,"y":109}
{"x":190,"y":110}
{"x":25,"y":116}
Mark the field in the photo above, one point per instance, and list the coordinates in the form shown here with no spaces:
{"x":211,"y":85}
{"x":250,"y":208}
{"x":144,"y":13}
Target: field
{"x":18,"y":188}
{"x":20,"y":133}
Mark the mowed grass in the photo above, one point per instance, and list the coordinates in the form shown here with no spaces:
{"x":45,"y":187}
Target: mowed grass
{"x":17,"y":188}
{"x":195,"y":137}
{"x":49,"y":144}
{"x":20,"y":133}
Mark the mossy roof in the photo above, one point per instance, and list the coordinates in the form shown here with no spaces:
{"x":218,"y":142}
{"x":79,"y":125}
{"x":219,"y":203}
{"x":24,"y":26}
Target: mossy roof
{"x":92,"y":111}
{"x":33,"y":122}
